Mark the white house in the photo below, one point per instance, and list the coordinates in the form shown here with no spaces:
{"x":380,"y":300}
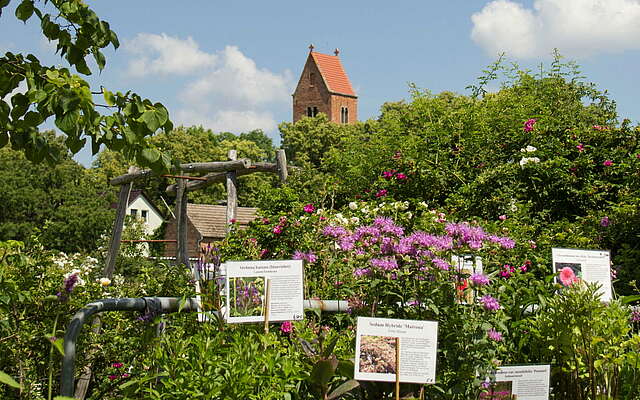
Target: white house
{"x":140,"y":207}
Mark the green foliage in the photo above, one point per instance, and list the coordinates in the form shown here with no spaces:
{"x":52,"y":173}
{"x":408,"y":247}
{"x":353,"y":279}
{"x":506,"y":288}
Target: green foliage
{"x":196,"y":144}
{"x":124,"y":125}
{"x":237,"y":363}
{"x":588,"y":342}
{"x":64,"y":203}
{"x":36,"y":305}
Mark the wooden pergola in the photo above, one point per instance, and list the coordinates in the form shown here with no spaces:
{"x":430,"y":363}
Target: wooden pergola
{"x":216,"y":172}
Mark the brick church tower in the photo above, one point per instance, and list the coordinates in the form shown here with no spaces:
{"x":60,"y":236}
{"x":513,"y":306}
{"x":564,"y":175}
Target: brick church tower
{"x":325,"y":88}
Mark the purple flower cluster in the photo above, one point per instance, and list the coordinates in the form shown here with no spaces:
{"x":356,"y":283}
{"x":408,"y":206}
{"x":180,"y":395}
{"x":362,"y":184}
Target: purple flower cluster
{"x":389,"y":249}
{"x":479,"y":280}
{"x":385,"y":264}
{"x":490,"y":303}
{"x":70,"y":282}
{"x":635,"y":314}
{"x":494,"y":335}
{"x":309,"y":257}
{"x":334,"y":231}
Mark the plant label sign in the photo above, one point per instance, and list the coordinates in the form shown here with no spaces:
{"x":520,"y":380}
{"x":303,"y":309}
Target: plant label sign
{"x":376,"y":350}
{"x":524,"y":382}
{"x":246,"y":286}
{"x":592,"y":266}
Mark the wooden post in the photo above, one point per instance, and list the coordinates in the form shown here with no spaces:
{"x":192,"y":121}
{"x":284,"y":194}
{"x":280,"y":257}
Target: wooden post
{"x":397,"y":368}
{"x":84,"y":379}
{"x":182,"y":253}
{"x":232,"y":194}
{"x":281,"y":162}
{"x":267,"y":303}
{"x":116,"y":235}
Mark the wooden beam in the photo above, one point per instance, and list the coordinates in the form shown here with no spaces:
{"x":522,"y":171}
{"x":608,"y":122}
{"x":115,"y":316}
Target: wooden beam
{"x":214,"y":178}
{"x":116,"y":235}
{"x":189,"y":178}
{"x":281,"y":162}
{"x":216,"y":166}
{"x":232,"y":193}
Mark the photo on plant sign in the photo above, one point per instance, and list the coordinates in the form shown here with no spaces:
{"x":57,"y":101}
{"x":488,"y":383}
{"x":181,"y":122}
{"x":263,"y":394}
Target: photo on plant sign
{"x":568,"y":273}
{"x":499,"y":391}
{"x":246,"y":296}
{"x":378,"y":354}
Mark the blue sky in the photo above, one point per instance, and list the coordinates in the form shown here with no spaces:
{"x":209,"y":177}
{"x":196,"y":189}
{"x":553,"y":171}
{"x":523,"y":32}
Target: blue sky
{"x":233,"y":65}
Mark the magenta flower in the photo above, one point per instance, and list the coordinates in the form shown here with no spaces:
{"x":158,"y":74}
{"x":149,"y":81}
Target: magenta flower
{"x":528,"y":126}
{"x":580,"y":147}
{"x":388,"y":174}
{"x":567,"y":277}
{"x":381,"y":193}
{"x":277,"y":229}
{"x":494,"y":335}
{"x":286,"y":327}
{"x":263,"y":253}
{"x":309,"y":208}
{"x":113,"y":377}
{"x":502,"y":217}
{"x":607,"y":163}
{"x":479,"y":280}
{"x":490,"y":303}
{"x":117,"y":365}
{"x":507,"y":271}
{"x":400,"y":176}
{"x":604,"y":221}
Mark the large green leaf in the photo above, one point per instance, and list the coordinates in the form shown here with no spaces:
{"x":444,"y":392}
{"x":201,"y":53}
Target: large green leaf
{"x":323,"y":371}
{"x":7,"y":380}
{"x":150,"y":155}
{"x":344,"y":388}
{"x":68,"y":122}
{"x":154,"y":118}
{"x":25,"y":10}
{"x":109,"y":98}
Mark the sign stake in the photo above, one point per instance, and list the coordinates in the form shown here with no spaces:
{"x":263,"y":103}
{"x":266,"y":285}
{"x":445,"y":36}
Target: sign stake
{"x":267,"y":296}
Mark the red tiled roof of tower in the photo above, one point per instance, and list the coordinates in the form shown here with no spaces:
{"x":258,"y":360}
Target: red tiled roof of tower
{"x":333,"y":74}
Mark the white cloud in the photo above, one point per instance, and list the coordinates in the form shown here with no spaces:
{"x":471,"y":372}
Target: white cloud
{"x":578,"y":28}
{"x":228,"y":120}
{"x":224,"y":91}
{"x":239,"y":81}
{"x":163,"y":54}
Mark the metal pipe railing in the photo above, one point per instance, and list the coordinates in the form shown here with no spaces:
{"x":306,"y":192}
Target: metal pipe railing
{"x":148,"y":305}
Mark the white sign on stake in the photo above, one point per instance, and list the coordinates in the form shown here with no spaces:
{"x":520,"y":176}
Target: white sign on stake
{"x":526,"y":382}
{"x":246,"y":285}
{"x":591,"y":266}
{"x":376,"y":350}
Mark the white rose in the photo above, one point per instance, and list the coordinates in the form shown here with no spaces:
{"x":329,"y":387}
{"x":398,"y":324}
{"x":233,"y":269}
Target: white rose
{"x":353,"y":205}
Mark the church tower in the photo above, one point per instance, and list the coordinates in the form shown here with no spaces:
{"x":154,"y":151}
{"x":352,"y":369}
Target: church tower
{"x":325,"y":88}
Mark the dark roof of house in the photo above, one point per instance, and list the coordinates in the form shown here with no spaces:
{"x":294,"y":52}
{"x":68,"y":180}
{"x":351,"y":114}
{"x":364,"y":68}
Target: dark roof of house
{"x":333,"y":74}
{"x":210,"y":220}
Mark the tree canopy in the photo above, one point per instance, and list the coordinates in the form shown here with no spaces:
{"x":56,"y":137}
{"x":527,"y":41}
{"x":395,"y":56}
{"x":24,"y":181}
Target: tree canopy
{"x":119,"y":121}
